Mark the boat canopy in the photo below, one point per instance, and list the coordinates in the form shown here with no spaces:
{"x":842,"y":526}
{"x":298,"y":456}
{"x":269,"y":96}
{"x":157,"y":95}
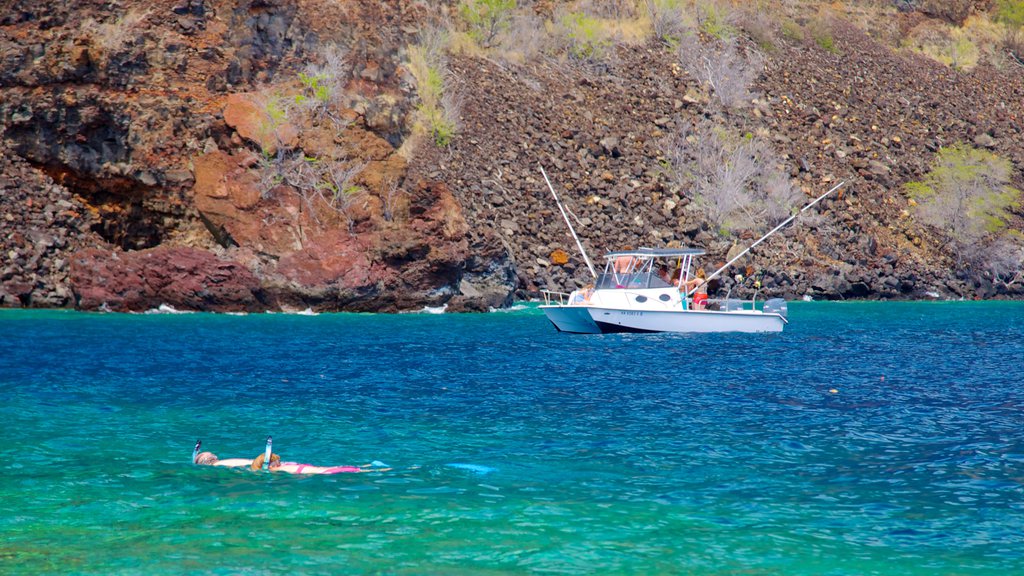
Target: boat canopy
{"x":656,"y":253}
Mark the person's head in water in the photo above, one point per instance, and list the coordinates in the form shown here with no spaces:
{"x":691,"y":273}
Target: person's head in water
{"x":257,"y":463}
{"x":206,"y":458}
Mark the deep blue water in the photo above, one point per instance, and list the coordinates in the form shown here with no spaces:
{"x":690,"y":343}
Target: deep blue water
{"x":868,"y":438}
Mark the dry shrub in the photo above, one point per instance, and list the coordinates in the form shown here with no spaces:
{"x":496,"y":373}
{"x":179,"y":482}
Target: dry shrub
{"x":760,"y":26}
{"x":609,"y":9}
{"x":524,"y":40}
{"x":112,"y":36}
{"x":326,"y":187}
{"x":722,"y":68}
{"x":1013,"y":43}
{"x":669,"y":21}
{"x":324,"y":83}
{"x":737,"y":182}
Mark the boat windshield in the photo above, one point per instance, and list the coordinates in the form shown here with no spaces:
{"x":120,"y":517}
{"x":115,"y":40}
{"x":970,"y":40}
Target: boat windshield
{"x":647,"y":268}
{"x":612,"y":280}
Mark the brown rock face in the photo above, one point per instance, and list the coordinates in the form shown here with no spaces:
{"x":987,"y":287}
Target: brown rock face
{"x":185,"y":278}
{"x":310,"y":255}
{"x":255,"y":123}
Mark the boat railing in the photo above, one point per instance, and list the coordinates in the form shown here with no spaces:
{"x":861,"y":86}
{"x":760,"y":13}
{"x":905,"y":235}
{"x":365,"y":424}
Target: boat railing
{"x":552,"y":298}
{"x":731,"y":304}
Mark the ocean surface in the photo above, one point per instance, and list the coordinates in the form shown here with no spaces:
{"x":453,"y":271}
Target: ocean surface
{"x":868,"y":438}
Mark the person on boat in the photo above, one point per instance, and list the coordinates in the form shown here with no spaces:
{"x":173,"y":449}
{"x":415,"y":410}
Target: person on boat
{"x":623,"y":264}
{"x":276,"y":465}
{"x":664,"y":273}
{"x":699,"y":286}
{"x":582,"y":296}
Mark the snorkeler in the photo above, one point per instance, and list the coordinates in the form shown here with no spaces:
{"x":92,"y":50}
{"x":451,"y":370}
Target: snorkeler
{"x":210,"y":459}
{"x":272,"y":462}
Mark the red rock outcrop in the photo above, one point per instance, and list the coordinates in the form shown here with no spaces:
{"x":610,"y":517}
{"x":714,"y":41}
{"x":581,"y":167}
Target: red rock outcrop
{"x":184,"y":278}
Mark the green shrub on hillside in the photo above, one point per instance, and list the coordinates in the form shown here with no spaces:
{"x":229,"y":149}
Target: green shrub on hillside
{"x":967,"y":197}
{"x":587,"y":39}
{"x":792,"y":31}
{"x":1011,"y":13}
{"x":316,"y":88}
{"x":716,"y":20}
{"x":438,"y":107}
{"x":485,"y":19}
{"x":821,"y":31}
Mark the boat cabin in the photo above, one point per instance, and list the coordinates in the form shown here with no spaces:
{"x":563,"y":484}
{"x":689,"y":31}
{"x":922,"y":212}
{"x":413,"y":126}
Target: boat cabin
{"x":647,"y":268}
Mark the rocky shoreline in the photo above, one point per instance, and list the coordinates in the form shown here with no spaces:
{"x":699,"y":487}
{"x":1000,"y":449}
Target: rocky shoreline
{"x":130,"y":164}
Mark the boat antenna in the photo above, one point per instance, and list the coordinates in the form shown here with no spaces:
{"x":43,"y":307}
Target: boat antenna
{"x":567,"y":223}
{"x":765,"y":237}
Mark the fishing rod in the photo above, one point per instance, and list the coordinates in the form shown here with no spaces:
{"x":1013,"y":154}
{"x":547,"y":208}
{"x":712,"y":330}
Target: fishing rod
{"x":765,"y":237}
{"x":567,"y":223}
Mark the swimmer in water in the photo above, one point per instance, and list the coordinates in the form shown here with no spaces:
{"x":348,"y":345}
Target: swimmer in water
{"x":276,"y":465}
{"x":210,"y":459}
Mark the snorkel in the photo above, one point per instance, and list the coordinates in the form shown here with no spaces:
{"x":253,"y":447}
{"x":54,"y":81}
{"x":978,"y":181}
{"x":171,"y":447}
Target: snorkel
{"x":195,"y":451}
{"x":266,"y":454}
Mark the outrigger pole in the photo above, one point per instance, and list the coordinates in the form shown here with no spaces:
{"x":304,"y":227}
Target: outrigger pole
{"x":566,"y":217}
{"x":765,"y":237}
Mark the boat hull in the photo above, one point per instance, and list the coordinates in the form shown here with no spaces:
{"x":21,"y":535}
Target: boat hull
{"x":597,"y":320}
{"x":574,"y":319}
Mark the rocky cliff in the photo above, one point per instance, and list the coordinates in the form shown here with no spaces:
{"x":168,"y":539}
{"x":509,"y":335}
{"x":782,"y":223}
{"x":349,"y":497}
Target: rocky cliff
{"x":263,"y":154}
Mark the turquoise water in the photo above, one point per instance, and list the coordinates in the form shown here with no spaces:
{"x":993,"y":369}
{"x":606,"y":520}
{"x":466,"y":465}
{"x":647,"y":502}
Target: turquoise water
{"x":614,"y":454}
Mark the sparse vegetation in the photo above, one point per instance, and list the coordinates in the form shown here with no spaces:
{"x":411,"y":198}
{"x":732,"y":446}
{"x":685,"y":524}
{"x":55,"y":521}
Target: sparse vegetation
{"x":524,"y":39}
{"x":438,"y":109}
{"x":111,"y":37}
{"x":760,"y":27}
{"x":821,"y":31}
{"x":792,"y":31}
{"x":946,"y":44}
{"x":966,"y":197}
{"x":716,"y":19}
{"x":323,"y":82}
{"x":1011,"y":14}
{"x":586,"y":39}
{"x":735,"y":180}
{"x":485,"y":19}
{"x":668,"y":22}
{"x":327,"y":187}
{"x":722,"y":68}
{"x":393,"y":197}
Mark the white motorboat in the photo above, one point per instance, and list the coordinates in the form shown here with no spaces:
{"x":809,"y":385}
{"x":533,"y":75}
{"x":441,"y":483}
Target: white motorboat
{"x":636,"y":293}
{"x":632,"y":295}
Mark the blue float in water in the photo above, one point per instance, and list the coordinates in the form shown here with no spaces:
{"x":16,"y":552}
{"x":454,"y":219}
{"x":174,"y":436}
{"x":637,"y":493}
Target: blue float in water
{"x":474,"y":468}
